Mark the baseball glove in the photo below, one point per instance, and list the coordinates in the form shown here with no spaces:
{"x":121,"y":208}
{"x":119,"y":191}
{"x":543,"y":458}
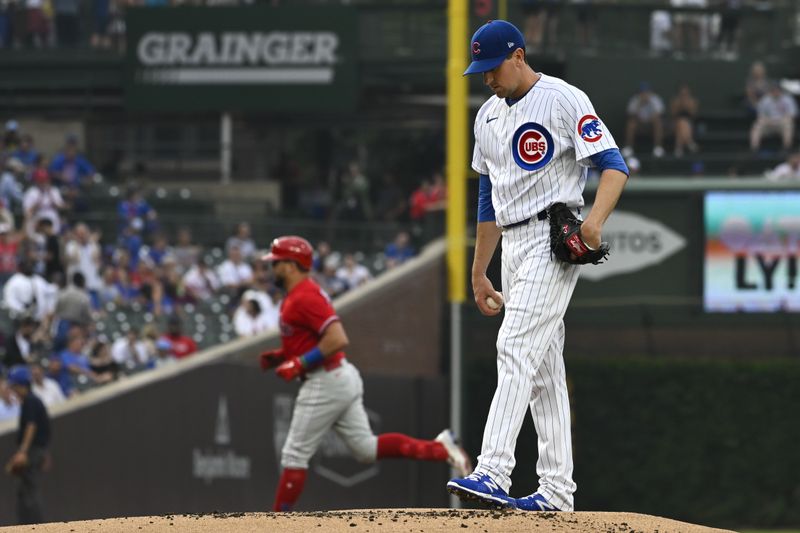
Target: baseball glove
{"x":565,"y":238}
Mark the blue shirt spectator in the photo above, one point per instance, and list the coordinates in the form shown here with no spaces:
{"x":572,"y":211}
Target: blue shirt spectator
{"x":399,"y":251}
{"x":69,"y":167}
{"x":135,"y":210}
{"x":26,"y":152}
{"x":72,"y":361}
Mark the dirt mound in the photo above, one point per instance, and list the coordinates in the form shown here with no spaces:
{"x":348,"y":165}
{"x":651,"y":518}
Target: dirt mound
{"x":405,"y":520}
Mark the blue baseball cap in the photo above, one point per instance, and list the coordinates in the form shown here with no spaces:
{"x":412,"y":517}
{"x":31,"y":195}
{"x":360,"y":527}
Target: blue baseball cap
{"x":491,"y":44}
{"x":20,"y":375}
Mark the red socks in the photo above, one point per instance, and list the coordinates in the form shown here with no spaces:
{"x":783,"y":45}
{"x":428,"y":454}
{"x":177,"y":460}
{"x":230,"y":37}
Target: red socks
{"x":289,"y":488}
{"x":399,"y":445}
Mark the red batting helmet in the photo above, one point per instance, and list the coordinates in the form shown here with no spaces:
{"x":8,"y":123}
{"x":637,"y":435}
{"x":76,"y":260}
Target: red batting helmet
{"x":291,"y":248}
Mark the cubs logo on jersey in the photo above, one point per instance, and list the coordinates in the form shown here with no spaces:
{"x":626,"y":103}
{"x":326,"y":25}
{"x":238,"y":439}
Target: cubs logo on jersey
{"x":532,"y":146}
{"x":590,"y":128}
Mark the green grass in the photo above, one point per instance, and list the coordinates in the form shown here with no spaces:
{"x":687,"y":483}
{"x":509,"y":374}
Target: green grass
{"x":771,"y":531}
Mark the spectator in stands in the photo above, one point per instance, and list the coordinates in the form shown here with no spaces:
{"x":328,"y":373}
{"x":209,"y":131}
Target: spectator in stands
{"x":11,"y":137}
{"x":421,"y":200}
{"x":390,"y":203}
{"x":6,"y":217}
{"x":108,"y":292}
{"x":541,"y":21}
{"x":74,"y":363}
{"x":776,"y":112}
{"x":321,"y":252}
{"x":37,"y":25}
{"x":684,"y":110}
{"x":150,"y":289}
{"x":26,"y":152}
{"x":45,"y":388}
{"x":82,"y":254}
{"x":438,"y":193}
{"x":242,"y":239}
{"x":354,"y":273}
{"x":171,"y":280}
{"x":24,"y":291}
{"x":329,"y":280}
{"x":51,"y":248}
{"x":186,"y":253}
{"x":644,"y":111}
{"x":19,"y":347}
{"x":67,"y":22}
{"x":201,"y":282}
{"x":786,"y":171}
{"x":398,"y":251}
{"x":160,"y":250}
{"x":354,"y":201}
{"x":68,"y":166}
{"x":130,"y":351}
{"x":234,"y":273}
{"x":128,"y":292}
{"x":180,"y":344}
{"x":73,"y":308}
{"x":10,"y":187}
{"x":756,"y":86}
{"x":134,"y":207}
{"x":131,"y":242}
{"x":586,"y":18}
{"x":689,"y":30}
{"x":164,"y":355}
{"x":42,"y":201}
{"x":730,"y":17}
{"x":8,"y":253}
{"x":255,"y":314}
{"x":101,"y":362}
{"x":149,"y":339}
{"x":101,"y":11}
{"x":9,"y":405}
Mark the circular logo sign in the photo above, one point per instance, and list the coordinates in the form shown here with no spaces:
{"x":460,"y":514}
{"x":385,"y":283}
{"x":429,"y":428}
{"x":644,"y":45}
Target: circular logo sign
{"x":590,"y":128}
{"x":532,"y":146}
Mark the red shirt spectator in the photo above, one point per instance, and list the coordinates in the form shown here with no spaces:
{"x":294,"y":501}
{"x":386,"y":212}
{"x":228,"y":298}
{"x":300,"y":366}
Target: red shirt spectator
{"x":8,"y":253}
{"x":182,"y":345}
{"x":420,"y":201}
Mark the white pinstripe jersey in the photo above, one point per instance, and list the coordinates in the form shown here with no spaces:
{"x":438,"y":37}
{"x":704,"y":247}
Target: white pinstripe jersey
{"x":536,"y":152}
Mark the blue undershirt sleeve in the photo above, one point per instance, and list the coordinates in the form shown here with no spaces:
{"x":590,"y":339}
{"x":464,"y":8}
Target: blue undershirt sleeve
{"x":610,"y":158}
{"x":485,"y":207}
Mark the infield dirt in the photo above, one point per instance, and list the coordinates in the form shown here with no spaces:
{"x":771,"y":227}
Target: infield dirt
{"x":394,"y":520}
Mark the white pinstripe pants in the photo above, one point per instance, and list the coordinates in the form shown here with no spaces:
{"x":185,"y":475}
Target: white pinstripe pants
{"x":530,"y":365}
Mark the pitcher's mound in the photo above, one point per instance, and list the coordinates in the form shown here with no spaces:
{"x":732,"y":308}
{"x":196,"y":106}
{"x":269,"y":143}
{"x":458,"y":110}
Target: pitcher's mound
{"x":362,"y":521}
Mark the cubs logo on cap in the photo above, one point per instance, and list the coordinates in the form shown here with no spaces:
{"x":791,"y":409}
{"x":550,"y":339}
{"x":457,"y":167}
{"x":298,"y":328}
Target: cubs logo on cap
{"x":590,"y":128}
{"x":492,"y":43}
{"x":532,"y":146}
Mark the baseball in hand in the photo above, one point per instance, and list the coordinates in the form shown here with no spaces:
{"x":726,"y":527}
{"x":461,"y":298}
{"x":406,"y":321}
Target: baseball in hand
{"x":492,"y":304}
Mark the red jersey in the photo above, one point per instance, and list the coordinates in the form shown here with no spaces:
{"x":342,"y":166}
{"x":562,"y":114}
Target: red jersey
{"x":305,"y":314}
{"x":182,"y":345}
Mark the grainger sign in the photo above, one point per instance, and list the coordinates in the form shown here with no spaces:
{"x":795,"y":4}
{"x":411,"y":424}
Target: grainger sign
{"x":248,"y":58}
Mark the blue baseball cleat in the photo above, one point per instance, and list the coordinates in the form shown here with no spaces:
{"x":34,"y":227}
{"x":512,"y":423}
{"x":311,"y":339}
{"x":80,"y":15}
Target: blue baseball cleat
{"x":535,"y":502}
{"x":482,"y":489}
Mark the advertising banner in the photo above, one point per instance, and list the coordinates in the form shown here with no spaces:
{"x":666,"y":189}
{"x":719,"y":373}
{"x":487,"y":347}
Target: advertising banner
{"x":241,"y":58}
{"x":752,"y":241}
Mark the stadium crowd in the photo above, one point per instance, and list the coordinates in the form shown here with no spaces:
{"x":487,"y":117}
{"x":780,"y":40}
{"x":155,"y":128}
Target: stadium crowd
{"x":82,"y":309}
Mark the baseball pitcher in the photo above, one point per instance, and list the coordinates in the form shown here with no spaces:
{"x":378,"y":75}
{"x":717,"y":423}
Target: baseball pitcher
{"x":534,"y":140}
{"x":331,"y":394}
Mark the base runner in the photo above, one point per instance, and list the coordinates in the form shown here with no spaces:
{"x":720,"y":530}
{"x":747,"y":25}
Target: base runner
{"x":331,"y":396}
